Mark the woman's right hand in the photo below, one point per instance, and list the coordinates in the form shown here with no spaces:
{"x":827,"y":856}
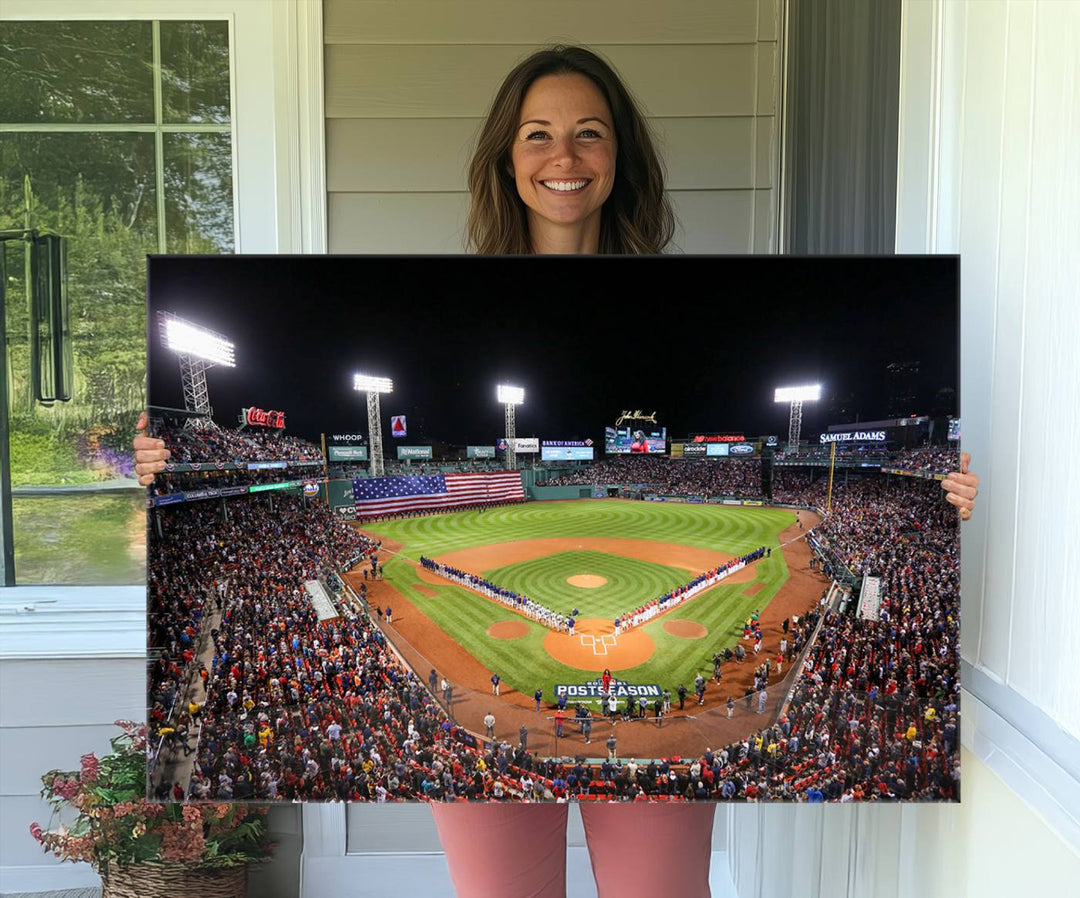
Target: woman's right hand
{"x":150,"y":453}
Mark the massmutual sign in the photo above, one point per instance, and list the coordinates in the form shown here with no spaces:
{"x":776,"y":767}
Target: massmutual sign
{"x":595,"y":688}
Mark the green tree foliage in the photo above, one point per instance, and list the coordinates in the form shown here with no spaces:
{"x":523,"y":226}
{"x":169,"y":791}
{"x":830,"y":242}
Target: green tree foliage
{"x":76,"y":72}
{"x":99,"y":189}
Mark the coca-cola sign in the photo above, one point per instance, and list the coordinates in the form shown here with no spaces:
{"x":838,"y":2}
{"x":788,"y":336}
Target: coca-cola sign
{"x":258,"y":417}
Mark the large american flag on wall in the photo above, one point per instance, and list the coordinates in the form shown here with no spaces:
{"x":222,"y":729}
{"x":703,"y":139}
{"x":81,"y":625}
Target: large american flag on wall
{"x":392,"y":495}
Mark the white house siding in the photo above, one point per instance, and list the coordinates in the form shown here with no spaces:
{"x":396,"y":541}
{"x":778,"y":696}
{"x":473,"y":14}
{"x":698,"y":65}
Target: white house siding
{"x":408,"y":83}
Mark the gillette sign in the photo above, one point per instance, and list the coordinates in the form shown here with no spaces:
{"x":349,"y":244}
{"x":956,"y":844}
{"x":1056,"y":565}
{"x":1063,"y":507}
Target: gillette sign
{"x":855,"y":436}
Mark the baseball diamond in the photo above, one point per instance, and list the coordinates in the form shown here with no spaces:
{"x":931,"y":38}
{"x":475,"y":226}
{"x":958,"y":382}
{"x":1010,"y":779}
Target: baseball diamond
{"x":640,"y":550}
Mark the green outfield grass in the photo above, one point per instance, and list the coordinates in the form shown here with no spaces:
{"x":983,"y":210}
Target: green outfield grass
{"x":626,"y":578}
{"x":522,"y":663}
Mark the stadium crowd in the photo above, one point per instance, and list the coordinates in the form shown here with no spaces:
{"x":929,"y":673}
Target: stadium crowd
{"x":731,"y":477}
{"x":939,"y":459}
{"x":298,"y":709}
{"x":217,"y":444}
{"x":206,"y":565}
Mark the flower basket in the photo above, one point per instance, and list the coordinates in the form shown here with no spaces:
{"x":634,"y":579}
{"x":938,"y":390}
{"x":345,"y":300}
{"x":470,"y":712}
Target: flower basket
{"x":146,"y":849}
{"x":174,"y":881}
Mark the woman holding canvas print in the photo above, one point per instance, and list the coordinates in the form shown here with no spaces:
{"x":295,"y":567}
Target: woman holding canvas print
{"x":565,"y":164}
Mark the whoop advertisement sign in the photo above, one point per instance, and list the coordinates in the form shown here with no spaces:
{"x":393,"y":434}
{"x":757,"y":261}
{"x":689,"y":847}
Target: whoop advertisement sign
{"x":347,"y":453}
{"x":346,"y":447}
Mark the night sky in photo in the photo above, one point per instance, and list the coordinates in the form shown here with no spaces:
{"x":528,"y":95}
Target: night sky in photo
{"x":701,"y":340}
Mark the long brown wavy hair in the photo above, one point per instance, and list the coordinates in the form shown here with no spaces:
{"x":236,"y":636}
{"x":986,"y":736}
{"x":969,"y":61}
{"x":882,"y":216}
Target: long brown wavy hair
{"x":637,"y":217}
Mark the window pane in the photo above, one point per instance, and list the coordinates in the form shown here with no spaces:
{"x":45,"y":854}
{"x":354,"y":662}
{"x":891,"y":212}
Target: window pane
{"x":98,"y":191}
{"x":76,"y":72}
{"x":198,"y":193}
{"x":83,"y":540}
{"x":195,"y":72}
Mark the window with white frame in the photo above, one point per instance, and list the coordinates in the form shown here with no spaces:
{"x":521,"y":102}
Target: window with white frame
{"x":116,"y":135}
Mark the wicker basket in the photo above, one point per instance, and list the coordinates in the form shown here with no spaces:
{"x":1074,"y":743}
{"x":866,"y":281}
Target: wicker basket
{"x":174,"y":881}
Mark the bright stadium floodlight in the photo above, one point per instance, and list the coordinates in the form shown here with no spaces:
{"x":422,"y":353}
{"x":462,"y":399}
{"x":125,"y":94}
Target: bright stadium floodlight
{"x":190,"y":339}
{"x":367,"y":384}
{"x":198,"y":349}
{"x":508,"y":394}
{"x":510,"y":397}
{"x":796,"y":396}
{"x":373,"y":386}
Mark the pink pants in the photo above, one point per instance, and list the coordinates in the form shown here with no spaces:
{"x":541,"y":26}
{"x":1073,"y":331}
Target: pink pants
{"x":519,"y":850}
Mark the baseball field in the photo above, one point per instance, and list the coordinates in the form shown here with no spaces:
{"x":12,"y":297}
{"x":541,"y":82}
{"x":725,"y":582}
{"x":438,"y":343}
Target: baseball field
{"x":602,"y":558}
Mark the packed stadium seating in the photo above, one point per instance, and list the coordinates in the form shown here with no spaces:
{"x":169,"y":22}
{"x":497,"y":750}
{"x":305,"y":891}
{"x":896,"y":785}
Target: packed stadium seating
{"x":298,"y":709}
{"x":218,"y":444}
{"x":733,"y":477}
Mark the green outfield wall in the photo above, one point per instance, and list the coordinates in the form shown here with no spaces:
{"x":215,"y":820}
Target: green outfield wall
{"x":542,"y":492}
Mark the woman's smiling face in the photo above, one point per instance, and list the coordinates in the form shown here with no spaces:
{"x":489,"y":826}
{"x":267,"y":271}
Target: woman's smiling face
{"x":563,"y":155}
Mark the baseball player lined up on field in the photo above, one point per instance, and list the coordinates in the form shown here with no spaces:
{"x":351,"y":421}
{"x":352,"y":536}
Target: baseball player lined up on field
{"x":521,"y":603}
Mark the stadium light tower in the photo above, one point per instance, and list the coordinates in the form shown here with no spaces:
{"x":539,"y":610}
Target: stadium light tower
{"x":373,"y":386}
{"x":510,"y":397}
{"x":796,"y":396}
{"x":199,"y":349}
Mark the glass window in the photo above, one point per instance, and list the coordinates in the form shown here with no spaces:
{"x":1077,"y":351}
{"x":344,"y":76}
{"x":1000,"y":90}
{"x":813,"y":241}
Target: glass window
{"x":117,"y":136}
{"x":76,"y":72}
{"x":195,"y":72}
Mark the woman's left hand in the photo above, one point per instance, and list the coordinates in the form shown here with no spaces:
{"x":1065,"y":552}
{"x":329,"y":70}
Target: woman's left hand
{"x":962,"y":487}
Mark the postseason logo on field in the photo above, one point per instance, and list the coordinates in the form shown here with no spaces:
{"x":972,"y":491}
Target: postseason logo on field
{"x":593,"y":689}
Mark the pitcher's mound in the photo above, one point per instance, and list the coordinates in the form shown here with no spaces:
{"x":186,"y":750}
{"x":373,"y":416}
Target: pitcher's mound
{"x":686,"y":629}
{"x":508,"y":629}
{"x":586,"y":581}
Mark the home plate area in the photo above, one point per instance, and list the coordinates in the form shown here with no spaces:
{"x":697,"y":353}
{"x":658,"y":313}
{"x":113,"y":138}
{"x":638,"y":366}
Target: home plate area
{"x":599,"y":645}
{"x":595,"y":646}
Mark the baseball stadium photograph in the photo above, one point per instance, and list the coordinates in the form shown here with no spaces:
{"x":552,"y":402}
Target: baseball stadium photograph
{"x":554,"y":529}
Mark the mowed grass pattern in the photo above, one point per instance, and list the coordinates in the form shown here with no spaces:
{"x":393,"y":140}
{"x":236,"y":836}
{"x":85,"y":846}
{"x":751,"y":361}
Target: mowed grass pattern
{"x":627,"y":579}
{"x":522,"y":663}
